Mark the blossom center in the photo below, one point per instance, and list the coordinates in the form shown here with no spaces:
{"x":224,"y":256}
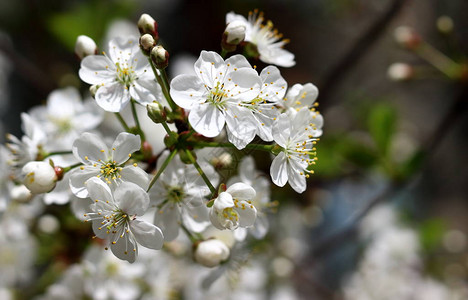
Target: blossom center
{"x":175,"y":194}
{"x":217,"y":95}
{"x":110,"y":170}
{"x":125,"y":74}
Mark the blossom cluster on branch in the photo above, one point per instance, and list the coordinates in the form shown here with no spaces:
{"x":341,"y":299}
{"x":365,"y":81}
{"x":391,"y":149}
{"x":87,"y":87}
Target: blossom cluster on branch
{"x":115,"y":181}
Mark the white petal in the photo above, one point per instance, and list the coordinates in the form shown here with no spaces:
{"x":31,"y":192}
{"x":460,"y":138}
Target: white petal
{"x":223,"y":201}
{"x":241,"y":129}
{"x":208,"y":66}
{"x":295,"y":179}
{"x":99,"y":230}
{"x":93,"y":69}
{"x":88,"y":148}
{"x":206,"y":119}
{"x":240,"y":234}
{"x":63,"y":103}
{"x":112,"y":97}
{"x":98,"y":190}
{"x":260,"y":228}
{"x":125,"y":144}
{"x":125,"y":248}
{"x":123,"y":48}
{"x":136,"y":175}
{"x":275,"y":86}
{"x":147,"y":234}
{"x":237,"y":61}
{"x":78,"y":179}
{"x":282,"y":130}
{"x":168,"y":220}
{"x":245,"y":84}
{"x":131,"y":198}
{"x":277,"y":56}
{"x":247,"y":214}
{"x":146,"y":91}
{"x":187,"y":89}
{"x":279,"y":170}
{"x":196,"y":218}
{"x":241,"y":191}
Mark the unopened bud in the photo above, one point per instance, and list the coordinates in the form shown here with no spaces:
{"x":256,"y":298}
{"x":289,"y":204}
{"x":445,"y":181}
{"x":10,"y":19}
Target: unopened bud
{"x":400,"y":72}
{"x":235,"y":32}
{"x":160,"y":57}
{"x":222,"y":161}
{"x":20,"y":193}
{"x":211,"y":253}
{"x":85,"y":46}
{"x":146,"y":24}
{"x":156,"y":112}
{"x":407,"y":37}
{"x":445,"y":24}
{"x":39,"y":177}
{"x":147,"y":43}
{"x":93,"y":89}
{"x":233,"y":35}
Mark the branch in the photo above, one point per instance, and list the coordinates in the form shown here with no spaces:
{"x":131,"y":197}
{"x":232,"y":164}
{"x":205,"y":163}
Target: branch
{"x":357,"y":51}
{"x":341,"y":235}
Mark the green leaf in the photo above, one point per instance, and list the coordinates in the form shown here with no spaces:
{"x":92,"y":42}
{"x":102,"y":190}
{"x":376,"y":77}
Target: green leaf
{"x":431,"y":233}
{"x":382,"y":124}
{"x":89,"y":18}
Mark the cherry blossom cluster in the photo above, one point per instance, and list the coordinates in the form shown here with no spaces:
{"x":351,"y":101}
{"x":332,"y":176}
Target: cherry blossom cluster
{"x":134,"y":193}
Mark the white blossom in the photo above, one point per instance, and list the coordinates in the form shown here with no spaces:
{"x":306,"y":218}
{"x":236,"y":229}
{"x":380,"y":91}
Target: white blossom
{"x":235,"y":32}
{"x":233,"y":208}
{"x":214,"y":93}
{"x":211,"y":253}
{"x":249,"y":175}
{"x":115,"y":216}
{"x":39,"y":177}
{"x":65,"y":117}
{"x":179,"y":195}
{"x":122,"y":74}
{"x":268,"y":41}
{"x":296,"y":137}
{"x":85,"y":46}
{"x":104,"y":163}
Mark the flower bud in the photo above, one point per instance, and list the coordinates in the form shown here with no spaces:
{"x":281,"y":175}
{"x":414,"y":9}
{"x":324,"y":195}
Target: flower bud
{"x":211,"y":253}
{"x":160,"y":57}
{"x":39,"y":177}
{"x":147,"y":43}
{"x":400,"y":72}
{"x":445,"y":24}
{"x":93,"y":89}
{"x":222,"y":161}
{"x":85,"y":46}
{"x":407,"y":37}
{"x":233,"y":35}
{"x":20,"y":193}
{"x":156,"y":112}
{"x":146,"y":24}
{"x":235,"y":32}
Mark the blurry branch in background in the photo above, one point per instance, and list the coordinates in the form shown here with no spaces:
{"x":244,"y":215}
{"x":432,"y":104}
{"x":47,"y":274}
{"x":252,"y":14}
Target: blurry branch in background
{"x":26,"y":69}
{"x":357,"y":51}
{"x":420,"y":158}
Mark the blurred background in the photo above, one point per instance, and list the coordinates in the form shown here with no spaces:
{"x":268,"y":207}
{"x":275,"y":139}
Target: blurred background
{"x":386,"y":208}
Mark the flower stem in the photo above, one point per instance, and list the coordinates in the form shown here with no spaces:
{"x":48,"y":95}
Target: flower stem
{"x":122,"y":121}
{"x":260,"y":147}
{"x":166,"y":127}
{"x":223,"y":53}
{"x":164,"y":85}
{"x":200,"y":171}
{"x":164,"y":165}
{"x":57,"y":153}
{"x":137,"y":122}
{"x":190,"y":235}
{"x":65,"y":170}
{"x":439,"y":60}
